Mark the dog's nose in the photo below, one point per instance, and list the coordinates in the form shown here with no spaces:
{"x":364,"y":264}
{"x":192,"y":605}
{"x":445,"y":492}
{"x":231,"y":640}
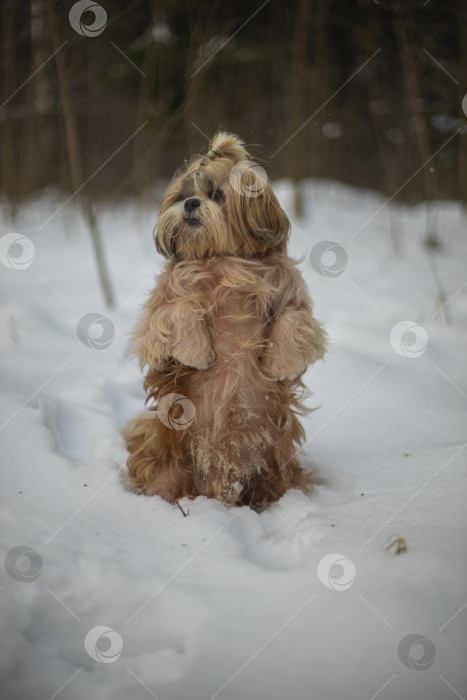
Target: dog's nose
{"x":191,"y":203}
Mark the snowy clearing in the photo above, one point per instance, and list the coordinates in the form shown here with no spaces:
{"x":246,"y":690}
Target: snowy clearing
{"x":227,"y":603}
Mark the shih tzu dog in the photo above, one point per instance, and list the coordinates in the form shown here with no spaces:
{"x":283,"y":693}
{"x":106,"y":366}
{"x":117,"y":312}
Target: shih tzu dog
{"x":225,"y":336}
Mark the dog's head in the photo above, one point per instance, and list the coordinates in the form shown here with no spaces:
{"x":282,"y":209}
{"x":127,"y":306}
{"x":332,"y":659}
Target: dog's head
{"x":220,"y":204}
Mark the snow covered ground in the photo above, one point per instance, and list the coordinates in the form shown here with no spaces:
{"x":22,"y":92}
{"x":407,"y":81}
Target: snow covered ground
{"x":106,"y":594}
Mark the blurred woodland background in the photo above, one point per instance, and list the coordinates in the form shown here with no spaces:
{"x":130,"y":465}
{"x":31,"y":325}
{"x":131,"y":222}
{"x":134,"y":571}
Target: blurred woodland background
{"x":372,"y":88}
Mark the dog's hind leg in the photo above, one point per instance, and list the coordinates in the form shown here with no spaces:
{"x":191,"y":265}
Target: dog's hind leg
{"x":159,"y":463}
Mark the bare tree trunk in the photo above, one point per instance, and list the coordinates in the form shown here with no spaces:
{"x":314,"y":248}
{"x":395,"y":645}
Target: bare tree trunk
{"x":299,"y":80}
{"x":386,"y":150}
{"x":413,"y":81}
{"x":319,"y":80}
{"x":9,"y":81}
{"x":76,"y":172}
{"x":193,"y":86}
{"x":32,"y":113}
{"x":147,"y":83}
{"x":462,"y":24}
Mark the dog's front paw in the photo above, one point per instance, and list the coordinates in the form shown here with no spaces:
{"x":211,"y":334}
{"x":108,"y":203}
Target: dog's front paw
{"x":278,"y":372}
{"x":281,"y":365}
{"x":282,"y":375}
{"x":194,"y":351}
{"x":152,"y":352}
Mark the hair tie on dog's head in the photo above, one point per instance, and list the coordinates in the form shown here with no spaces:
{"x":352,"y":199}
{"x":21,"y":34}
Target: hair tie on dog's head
{"x":211,"y":155}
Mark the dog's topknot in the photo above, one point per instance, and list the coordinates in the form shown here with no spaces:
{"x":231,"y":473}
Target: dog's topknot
{"x":227,"y":145}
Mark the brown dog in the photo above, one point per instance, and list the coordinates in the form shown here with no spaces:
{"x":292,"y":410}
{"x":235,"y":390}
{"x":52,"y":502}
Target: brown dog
{"x":226,"y":335}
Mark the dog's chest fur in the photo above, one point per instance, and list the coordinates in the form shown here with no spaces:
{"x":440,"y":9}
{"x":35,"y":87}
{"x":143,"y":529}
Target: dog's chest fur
{"x":238,"y":296}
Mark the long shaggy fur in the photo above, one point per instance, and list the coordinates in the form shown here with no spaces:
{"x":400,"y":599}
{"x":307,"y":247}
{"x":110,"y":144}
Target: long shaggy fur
{"x":228,"y":330}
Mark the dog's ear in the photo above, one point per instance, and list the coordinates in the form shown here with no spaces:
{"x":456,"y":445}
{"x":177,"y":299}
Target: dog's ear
{"x":258,"y":214}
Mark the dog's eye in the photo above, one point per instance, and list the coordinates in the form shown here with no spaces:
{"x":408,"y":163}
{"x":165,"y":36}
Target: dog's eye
{"x":180,"y":197}
{"x":215,"y":195}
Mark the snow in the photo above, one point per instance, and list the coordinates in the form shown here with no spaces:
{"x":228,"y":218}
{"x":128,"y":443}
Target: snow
{"x":129,"y":598}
